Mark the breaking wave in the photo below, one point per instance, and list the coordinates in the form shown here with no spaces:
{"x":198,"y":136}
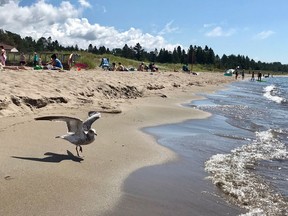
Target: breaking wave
{"x":272,"y":93}
{"x":233,"y":174}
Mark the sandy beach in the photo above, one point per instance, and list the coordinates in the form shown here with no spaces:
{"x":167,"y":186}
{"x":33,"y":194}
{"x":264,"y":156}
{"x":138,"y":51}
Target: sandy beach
{"x":40,"y":175}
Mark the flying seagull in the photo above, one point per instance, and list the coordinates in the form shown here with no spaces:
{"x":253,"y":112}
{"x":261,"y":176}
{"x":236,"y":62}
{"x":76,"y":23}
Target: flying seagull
{"x":79,"y":132}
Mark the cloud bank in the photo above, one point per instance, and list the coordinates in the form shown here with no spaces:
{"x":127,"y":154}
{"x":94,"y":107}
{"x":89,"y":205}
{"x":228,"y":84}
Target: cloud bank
{"x":65,"y":24}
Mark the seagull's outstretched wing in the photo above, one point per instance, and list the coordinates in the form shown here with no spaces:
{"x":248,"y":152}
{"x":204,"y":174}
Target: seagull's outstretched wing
{"x":93,"y":116}
{"x":73,"y":124}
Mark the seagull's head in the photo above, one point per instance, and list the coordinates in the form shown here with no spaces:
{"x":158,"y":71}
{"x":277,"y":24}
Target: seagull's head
{"x":93,"y":131}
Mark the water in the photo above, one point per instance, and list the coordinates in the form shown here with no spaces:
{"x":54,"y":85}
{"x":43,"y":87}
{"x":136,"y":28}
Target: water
{"x":244,"y":143}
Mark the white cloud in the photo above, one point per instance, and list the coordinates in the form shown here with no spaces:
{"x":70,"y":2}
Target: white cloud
{"x":84,"y":3}
{"x":264,"y":34}
{"x":104,"y":9}
{"x":208,"y":25}
{"x":168,"y":28}
{"x":219,"y":32}
{"x":64,"y":24}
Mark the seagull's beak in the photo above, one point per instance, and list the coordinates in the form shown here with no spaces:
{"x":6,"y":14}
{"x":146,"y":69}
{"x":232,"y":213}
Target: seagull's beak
{"x":94,"y":131}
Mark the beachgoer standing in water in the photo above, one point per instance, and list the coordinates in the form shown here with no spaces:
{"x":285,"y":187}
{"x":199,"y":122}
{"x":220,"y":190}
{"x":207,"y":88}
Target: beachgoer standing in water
{"x":253,"y":76}
{"x":236,"y":73}
{"x":259,"y":76}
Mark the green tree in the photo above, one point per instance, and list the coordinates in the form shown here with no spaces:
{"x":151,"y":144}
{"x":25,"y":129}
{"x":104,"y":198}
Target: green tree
{"x":90,"y":48}
{"x":138,"y":51}
{"x":127,"y":52}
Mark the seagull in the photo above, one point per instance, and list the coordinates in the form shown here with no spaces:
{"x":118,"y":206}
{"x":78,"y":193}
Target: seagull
{"x":79,"y":132}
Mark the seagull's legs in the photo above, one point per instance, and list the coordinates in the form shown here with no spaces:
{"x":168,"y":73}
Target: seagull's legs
{"x":80,"y":148}
{"x":77,"y":151}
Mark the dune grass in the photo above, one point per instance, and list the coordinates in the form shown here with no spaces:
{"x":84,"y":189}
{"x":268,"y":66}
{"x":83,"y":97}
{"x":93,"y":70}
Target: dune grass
{"x":93,"y":61}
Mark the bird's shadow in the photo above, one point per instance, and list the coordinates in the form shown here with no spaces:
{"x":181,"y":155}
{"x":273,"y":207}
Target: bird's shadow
{"x":53,"y":157}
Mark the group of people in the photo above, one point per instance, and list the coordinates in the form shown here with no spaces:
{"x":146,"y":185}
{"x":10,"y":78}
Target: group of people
{"x":237,"y":74}
{"x":259,"y":75}
{"x":120,"y":67}
{"x":3,"y":58}
{"x":53,"y":64}
{"x":141,"y":67}
{"x":152,"y":67}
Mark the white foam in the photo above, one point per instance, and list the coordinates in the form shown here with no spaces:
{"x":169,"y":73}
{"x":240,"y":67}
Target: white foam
{"x":230,"y":172}
{"x":269,"y":92}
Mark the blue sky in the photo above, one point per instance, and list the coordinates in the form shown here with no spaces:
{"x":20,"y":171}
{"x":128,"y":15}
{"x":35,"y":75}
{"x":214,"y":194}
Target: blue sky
{"x":253,"y":28}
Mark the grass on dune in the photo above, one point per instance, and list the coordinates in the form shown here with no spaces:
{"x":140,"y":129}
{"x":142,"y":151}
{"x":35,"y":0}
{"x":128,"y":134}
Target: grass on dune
{"x":93,"y":61}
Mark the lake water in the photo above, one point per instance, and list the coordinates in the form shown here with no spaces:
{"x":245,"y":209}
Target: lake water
{"x":243,"y":144}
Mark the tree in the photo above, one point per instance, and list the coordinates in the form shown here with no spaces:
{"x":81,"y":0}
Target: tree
{"x":49,"y":44}
{"x":90,"y":48}
{"x":56,"y":45}
{"x":210,"y":57}
{"x":41,"y":44}
{"x":127,"y":52}
{"x":95,"y":50}
{"x":175,"y":56}
{"x":138,"y":52}
{"x":224,"y":61}
{"x":102,"y":50}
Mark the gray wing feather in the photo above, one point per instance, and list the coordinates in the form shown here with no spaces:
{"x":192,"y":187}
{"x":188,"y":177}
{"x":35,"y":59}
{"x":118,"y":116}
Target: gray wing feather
{"x":93,"y":116}
{"x":73,"y":124}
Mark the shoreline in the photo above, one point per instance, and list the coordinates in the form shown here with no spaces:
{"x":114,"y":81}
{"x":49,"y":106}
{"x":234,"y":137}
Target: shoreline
{"x":107,"y":162}
{"x":151,"y":188}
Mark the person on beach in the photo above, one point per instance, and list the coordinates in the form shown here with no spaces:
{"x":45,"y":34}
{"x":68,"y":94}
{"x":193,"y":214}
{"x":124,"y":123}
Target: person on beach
{"x":35,"y":59}
{"x":120,"y":67}
{"x":243,"y":74}
{"x":141,"y":67}
{"x":259,"y":76}
{"x":22,"y":59}
{"x":3,"y":56}
{"x":153,"y":67}
{"x":56,"y":63}
{"x":253,"y":76}
{"x":113,"y":67}
{"x":236,"y":73}
{"x":185,"y":68}
{"x":70,"y":61}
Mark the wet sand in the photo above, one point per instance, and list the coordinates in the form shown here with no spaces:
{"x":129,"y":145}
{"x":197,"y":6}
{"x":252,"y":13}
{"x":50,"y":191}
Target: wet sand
{"x":178,"y":187}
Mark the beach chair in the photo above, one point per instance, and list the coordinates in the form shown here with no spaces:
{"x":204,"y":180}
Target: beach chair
{"x":105,"y":63}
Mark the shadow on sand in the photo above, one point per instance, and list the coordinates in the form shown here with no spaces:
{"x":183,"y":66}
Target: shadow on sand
{"x":53,"y":157}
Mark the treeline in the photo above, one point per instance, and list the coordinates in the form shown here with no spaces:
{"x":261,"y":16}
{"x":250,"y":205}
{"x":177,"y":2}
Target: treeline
{"x":194,"y":54}
{"x":29,"y":45}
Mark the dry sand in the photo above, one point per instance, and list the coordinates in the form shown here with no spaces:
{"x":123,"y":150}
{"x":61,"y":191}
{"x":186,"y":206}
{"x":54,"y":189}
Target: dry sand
{"x":40,"y":175}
